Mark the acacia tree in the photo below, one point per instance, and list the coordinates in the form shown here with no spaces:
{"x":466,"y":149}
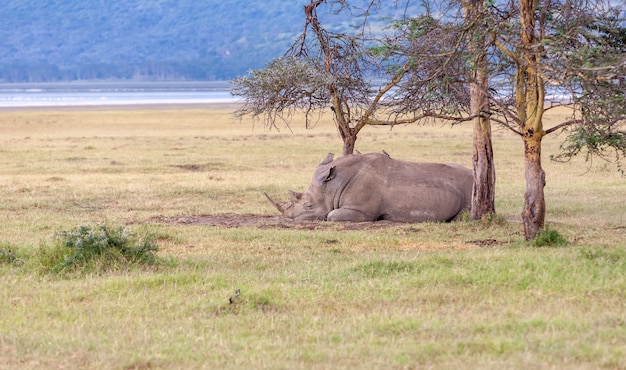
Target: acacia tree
{"x":563,"y":47}
{"x":424,"y":60}
{"x":327,"y":69}
{"x":355,"y":75}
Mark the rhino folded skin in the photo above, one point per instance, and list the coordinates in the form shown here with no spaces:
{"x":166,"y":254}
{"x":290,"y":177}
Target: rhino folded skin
{"x":372,"y":187}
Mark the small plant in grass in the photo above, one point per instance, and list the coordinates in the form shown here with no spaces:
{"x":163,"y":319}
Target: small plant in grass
{"x":466,"y":216}
{"x":98,"y":249}
{"x":8,"y":255}
{"x":493,"y":219}
{"x":487,"y":220}
{"x":605,"y":256}
{"x":549,"y":238}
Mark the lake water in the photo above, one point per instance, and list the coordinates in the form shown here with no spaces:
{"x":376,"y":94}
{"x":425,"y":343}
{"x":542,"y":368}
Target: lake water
{"x":109,"y":93}
{"x":71,"y":94}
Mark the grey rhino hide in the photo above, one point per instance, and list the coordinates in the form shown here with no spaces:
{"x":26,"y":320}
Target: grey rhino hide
{"x":370,"y":187}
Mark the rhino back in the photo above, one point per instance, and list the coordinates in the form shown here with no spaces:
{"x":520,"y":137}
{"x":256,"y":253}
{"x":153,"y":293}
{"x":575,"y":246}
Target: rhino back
{"x":427,"y":191}
{"x":403,"y":191}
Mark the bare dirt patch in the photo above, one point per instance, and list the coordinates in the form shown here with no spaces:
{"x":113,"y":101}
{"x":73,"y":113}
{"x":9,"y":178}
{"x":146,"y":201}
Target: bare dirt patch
{"x":231,"y":220}
{"x":265,"y":222}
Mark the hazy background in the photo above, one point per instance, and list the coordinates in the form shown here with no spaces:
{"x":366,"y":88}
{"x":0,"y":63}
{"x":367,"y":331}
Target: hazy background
{"x":148,"y":40}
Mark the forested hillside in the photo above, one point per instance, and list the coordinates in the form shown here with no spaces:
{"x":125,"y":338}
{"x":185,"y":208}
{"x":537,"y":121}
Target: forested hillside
{"x":45,"y":40}
{"x":56,"y":40}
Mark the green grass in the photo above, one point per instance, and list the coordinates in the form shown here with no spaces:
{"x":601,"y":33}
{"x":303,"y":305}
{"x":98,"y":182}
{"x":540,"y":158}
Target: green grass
{"x":96,"y":249}
{"x":461,"y":295}
{"x":507,"y":307}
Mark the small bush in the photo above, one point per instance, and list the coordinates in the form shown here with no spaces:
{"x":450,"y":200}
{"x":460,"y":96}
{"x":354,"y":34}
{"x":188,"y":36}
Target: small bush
{"x":8,"y":255}
{"x":98,"y":249}
{"x":549,"y":238}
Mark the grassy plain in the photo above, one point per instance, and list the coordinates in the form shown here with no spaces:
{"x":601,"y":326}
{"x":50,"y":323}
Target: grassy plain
{"x":462,"y":295}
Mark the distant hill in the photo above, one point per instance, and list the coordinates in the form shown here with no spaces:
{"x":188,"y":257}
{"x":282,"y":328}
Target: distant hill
{"x":64,"y":40}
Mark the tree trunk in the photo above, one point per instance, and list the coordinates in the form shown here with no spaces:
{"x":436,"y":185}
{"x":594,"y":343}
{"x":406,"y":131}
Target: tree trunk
{"x":533,"y":215}
{"x":483,"y":192}
{"x":348,"y":145}
{"x":530,"y":100}
{"x":347,"y":133}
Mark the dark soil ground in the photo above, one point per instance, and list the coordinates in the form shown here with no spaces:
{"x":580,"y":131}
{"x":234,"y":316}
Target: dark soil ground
{"x":231,"y":220}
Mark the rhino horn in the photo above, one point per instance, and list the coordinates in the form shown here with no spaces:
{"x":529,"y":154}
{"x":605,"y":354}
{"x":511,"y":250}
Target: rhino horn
{"x":278,"y":206}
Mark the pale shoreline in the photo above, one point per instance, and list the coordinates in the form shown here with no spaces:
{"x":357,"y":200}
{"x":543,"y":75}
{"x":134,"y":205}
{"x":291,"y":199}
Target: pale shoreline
{"x":127,"y":107}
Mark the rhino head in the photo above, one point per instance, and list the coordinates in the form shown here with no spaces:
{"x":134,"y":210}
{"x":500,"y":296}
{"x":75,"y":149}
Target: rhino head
{"x":300,"y":207}
{"x":310,"y":205}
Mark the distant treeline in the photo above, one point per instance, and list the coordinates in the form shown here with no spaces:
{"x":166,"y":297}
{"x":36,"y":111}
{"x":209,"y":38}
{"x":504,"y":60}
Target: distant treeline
{"x":66,"y":40}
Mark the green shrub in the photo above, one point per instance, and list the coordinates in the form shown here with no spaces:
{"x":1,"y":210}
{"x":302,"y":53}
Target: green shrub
{"x":8,"y":255}
{"x":549,"y":238}
{"x":98,"y":249}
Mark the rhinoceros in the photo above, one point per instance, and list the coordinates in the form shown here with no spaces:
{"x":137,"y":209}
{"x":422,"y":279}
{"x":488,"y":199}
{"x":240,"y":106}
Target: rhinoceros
{"x":371,"y":187}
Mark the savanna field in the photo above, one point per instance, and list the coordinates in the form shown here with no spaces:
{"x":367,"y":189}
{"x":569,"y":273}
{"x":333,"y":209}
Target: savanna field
{"x":233,"y":286}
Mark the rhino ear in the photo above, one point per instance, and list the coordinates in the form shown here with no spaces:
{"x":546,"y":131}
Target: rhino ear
{"x":328,"y":159}
{"x":327,"y":175}
{"x":295,"y":196}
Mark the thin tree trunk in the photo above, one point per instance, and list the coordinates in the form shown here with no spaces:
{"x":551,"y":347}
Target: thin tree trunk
{"x":533,"y":215}
{"x":348,"y":134}
{"x":348,"y":145}
{"x":483,"y":192}
{"x":530,"y":100}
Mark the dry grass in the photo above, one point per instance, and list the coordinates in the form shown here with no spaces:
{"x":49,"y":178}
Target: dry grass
{"x":462,"y":295}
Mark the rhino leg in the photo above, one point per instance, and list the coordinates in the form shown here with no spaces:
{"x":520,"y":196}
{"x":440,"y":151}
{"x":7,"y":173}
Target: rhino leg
{"x":347,"y":214}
